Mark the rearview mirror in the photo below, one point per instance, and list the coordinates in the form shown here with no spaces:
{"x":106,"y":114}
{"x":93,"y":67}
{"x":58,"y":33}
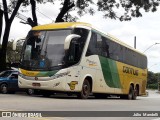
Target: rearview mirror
{"x":68,"y":40}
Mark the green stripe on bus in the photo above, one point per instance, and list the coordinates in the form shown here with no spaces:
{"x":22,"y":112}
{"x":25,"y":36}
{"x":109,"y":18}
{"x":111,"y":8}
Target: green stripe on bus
{"x":110,"y":72}
{"x":47,"y":73}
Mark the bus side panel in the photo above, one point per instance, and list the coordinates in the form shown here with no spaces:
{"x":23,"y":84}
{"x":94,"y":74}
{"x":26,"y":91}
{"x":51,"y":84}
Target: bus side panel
{"x":94,"y":67}
{"x":100,"y":84}
{"x":132,"y":75}
{"x":77,"y":76}
{"x":110,"y":74}
{"x":89,"y":65}
{"x":72,"y":83}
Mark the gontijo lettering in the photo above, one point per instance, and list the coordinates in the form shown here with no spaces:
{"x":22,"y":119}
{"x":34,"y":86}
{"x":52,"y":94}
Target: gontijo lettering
{"x":130,"y":70}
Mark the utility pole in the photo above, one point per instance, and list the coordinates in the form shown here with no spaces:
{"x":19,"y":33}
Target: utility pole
{"x":158,"y":81}
{"x":135,"y":42}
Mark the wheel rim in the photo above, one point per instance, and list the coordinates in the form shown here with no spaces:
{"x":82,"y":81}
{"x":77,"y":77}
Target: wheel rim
{"x":135,"y":93}
{"x":4,"y":88}
{"x":130,"y":95}
{"x":86,"y":90}
{"x":30,"y":91}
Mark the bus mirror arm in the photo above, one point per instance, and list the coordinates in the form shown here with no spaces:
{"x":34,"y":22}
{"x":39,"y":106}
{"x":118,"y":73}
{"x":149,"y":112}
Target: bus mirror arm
{"x":68,"y":40}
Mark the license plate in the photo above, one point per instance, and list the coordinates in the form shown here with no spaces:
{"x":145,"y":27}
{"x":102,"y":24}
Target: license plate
{"x":36,"y":84}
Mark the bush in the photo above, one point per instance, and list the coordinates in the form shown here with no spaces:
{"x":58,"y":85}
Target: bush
{"x":152,"y":86}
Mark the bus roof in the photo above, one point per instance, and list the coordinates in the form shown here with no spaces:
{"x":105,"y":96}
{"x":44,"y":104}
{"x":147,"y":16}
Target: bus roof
{"x":62,"y":25}
{"x":65,"y":25}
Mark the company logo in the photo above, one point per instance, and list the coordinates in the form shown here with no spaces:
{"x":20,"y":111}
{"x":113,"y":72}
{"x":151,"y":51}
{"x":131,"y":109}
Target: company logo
{"x":91,"y":63}
{"x":72,"y":85}
{"x":130,"y":70}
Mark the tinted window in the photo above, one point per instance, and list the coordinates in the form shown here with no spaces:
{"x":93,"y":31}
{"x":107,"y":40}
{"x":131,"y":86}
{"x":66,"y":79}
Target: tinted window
{"x":77,"y":46}
{"x":92,"y":45}
{"x":15,"y":76}
{"x":103,"y":46}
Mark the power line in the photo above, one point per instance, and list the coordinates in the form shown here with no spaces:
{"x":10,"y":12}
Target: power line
{"x":45,"y":15}
{"x":18,"y":15}
{"x":23,"y":17}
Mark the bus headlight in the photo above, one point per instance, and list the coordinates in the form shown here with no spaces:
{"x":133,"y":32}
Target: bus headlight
{"x":60,"y":75}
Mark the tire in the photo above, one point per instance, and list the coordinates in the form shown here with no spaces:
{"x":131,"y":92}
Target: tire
{"x":30,"y":92}
{"x":135,"y":94}
{"x":4,"y":88}
{"x":86,"y":90}
{"x":131,"y":94}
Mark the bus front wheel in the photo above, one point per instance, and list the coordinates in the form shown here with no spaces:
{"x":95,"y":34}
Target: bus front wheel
{"x":86,"y":89}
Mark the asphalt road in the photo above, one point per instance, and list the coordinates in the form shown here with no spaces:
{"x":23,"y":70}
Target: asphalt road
{"x":25,"y":103}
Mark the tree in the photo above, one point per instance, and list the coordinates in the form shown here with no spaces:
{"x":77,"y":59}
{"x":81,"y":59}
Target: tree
{"x":67,"y":5}
{"x":130,"y":8}
{"x":31,"y":21}
{"x":110,"y":8}
{"x":152,"y":80}
{"x":8,"y":22}
{"x":13,"y":56}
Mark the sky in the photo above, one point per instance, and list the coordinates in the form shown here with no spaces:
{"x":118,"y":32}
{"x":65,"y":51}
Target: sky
{"x":146,"y":29}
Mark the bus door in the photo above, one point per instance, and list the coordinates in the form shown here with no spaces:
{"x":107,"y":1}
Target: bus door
{"x":73,"y":58}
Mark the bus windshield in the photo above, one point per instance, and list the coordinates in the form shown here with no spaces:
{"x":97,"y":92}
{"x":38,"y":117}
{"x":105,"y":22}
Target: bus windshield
{"x":44,"y":50}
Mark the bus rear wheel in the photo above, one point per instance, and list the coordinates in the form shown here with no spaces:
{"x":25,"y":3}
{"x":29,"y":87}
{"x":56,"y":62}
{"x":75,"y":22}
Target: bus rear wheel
{"x":135,"y":93}
{"x":86,"y":89}
{"x":132,"y":93}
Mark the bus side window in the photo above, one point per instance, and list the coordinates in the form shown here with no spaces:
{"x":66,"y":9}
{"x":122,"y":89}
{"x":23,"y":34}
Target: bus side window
{"x":99,"y":44}
{"x":105,"y":47}
{"x":92,"y":45}
{"x":81,"y":41}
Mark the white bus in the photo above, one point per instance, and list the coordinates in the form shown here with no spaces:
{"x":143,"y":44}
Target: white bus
{"x":77,"y":58}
